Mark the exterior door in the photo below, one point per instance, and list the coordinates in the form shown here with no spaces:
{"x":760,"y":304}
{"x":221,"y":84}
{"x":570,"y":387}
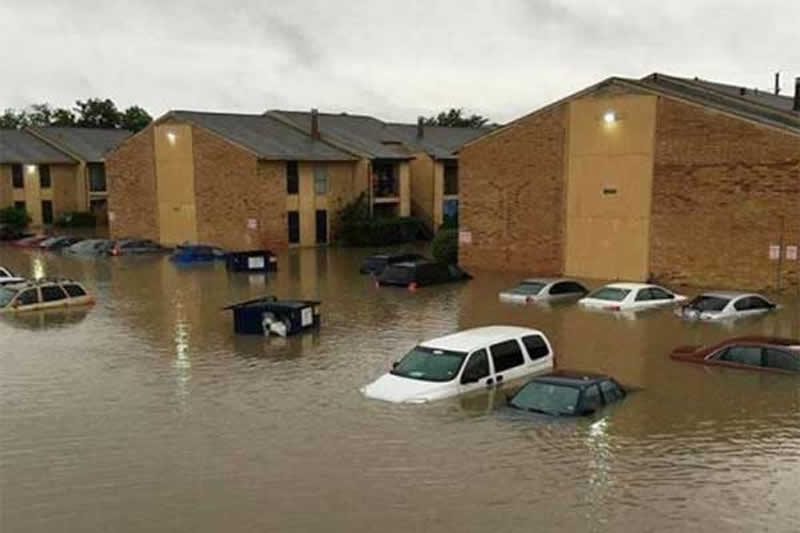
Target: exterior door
{"x":47,"y":212}
{"x":322,"y":227}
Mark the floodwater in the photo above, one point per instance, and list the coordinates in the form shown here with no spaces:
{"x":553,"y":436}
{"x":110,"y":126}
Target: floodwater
{"x":146,"y":413}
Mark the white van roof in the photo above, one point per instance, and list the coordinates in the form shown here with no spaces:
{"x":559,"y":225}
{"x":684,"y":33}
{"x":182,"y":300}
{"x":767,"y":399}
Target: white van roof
{"x":472,"y":339}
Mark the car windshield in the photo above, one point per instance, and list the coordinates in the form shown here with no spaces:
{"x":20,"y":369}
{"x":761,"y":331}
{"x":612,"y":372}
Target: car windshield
{"x":546,"y":398}
{"x":429,"y":364}
{"x":399,"y":273}
{"x":528,"y":288}
{"x":708,"y":303}
{"x":6,"y":295}
{"x":613,"y":294}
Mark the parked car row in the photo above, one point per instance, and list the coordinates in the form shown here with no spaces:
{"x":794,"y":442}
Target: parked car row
{"x":716,"y":305}
{"x":89,"y":246}
{"x":42,"y":294}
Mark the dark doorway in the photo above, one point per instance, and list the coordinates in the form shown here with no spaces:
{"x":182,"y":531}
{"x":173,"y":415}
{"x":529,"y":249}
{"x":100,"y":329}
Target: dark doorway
{"x":47,"y":212}
{"x":322,"y":227}
{"x":293,"y":221}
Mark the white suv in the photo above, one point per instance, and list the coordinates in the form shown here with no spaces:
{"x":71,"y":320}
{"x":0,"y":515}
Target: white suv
{"x":466,"y":361}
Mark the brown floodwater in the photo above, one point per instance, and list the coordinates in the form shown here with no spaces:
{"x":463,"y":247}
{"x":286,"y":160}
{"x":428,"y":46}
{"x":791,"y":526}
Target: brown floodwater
{"x":146,"y":413}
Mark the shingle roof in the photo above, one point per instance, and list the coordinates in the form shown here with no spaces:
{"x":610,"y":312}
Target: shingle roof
{"x":266,"y":136}
{"x":758,"y":96}
{"x":89,"y":144}
{"x":439,"y":142}
{"x":22,"y":147}
{"x":364,"y":135}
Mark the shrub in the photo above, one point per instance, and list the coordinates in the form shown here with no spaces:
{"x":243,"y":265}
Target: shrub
{"x":76,"y":219}
{"x":356,"y":228}
{"x":14,"y":217}
{"x":445,"y":246}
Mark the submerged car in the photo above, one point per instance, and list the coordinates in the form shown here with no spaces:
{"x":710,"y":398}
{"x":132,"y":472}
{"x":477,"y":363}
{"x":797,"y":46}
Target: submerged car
{"x":90,"y":247}
{"x":376,"y":264}
{"x":59,"y":243}
{"x":725,"y":305}
{"x":7,"y":277}
{"x":135,"y":247}
{"x":754,"y":353}
{"x":420,"y":273}
{"x":567,"y":393}
{"x":43,"y":294}
{"x":543,"y":290}
{"x":29,"y":242}
{"x":192,"y":253}
{"x":463,"y":362}
{"x":630,"y":297}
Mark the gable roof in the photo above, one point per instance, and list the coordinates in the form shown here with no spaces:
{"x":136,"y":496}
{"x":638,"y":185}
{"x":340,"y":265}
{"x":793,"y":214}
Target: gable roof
{"x":265,"y":136}
{"x":88,"y":144}
{"x":365,"y":136}
{"x":21,"y":147}
{"x":440,"y":142}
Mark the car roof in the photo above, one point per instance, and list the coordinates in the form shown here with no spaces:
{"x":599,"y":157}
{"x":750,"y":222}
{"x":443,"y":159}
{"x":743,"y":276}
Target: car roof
{"x":549,"y":280}
{"x":573,"y":378}
{"x":756,"y":339}
{"x":632,"y":286}
{"x":730,"y":294}
{"x":470,"y":339}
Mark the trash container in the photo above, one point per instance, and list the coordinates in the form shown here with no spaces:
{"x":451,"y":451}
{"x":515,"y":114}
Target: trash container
{"x":270,"y":316}
{"x":251,"y":261}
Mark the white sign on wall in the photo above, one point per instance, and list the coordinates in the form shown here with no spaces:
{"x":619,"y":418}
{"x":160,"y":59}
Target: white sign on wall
{"x":465,"y":237}
{"x":774,"y":252}
{"x":252,"y":223}
{"x":111,"y":216}
{"x":791,"y":253}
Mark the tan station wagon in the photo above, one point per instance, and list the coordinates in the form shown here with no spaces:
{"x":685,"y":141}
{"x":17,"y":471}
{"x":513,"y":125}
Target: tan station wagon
{"x":43,"y":294}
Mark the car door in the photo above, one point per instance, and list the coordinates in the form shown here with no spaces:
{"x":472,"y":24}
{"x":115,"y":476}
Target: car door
{"x":744,"y":307}
{"x":53,"y":296}
{"x":659,"y":296}
{"x":477,"y":373}
{"x":28,"y":300}
{"x":508,"y":361}
{"x":641,"y":299}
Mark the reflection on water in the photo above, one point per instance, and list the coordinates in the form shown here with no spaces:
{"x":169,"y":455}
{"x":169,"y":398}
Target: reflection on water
{"x":146,"y":412}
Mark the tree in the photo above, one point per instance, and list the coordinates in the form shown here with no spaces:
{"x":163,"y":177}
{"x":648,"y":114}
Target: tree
{"x":12,"y":119}
{"x":62,"y":117}
{"x":97,"y":113}
{"x":454,"y":118}
{"x":39,"y":115}
{"x":135,"y":118}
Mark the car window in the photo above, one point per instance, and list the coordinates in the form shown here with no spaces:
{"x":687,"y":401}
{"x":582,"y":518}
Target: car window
{"x":610,"y":293}
{"x":566,"y":287}
{"x":536,"y":346}
{"x":546,"y":398}
{"x":783,"y":360}
{"x":657,"y":293}
{"x":708,"y":303}
{"x":591,"y":398}
{"x":477,"y":367}
{"x":742,"y":304}
{"x":74,"y":291}
{"x":53,"y":293}
{"x":746,"y":355}
{"x":528,"y":288}
{"x":28,"y":297}
{"x":759,"y":303}
{"x":6,"y":295}
{"x":611,"y":392}
{"x":506,"y":355}
{"x":430,"y":364}
{"x":643,"y":295}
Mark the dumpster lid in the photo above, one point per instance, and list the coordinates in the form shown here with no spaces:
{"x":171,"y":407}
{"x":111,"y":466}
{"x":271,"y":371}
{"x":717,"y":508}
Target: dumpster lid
{"x":272,"y":302}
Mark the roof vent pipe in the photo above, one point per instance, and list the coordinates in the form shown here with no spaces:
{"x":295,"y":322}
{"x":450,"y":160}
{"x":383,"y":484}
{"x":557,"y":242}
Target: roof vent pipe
{"x":796,"y":106}
{"x":315,"y":124}
{"x":420,"y":127}
{"x":777,"y":83}
{"x":742,"y":91}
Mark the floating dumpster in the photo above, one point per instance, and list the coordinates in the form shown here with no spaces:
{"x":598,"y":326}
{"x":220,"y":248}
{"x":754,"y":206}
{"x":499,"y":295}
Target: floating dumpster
{"x":270,"y":316}
{"x":251,"y":261}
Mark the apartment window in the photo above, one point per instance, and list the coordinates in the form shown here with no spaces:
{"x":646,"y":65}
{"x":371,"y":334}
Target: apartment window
{"x":320,"y":179}
{"x":97,"y":177}
{"x":16,"y":177}
{"x":293,"y":222}
{"x":47,"y":212}
{"x":19,"y":205}
{"x":292,"y":177}
{"x":44,"y":176}
{"x":451,"y":178}
{"x":384,"y":183}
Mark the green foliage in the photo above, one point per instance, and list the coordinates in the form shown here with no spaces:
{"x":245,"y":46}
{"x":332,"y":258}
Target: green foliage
{"x":455,"y":118}
{"x":76,"y":219}
{"x":135,"y":119}
{"x":97,"y":113}
{"x":90,"y":113}
{"x":14,"y":217}
{"x":356,"y":228}
{"x":445,"y":246}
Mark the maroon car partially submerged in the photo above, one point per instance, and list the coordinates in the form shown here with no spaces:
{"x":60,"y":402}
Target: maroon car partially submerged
{"x":771,"y":354}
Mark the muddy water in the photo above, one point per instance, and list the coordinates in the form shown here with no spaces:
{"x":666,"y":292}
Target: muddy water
{"x":146,"y":413}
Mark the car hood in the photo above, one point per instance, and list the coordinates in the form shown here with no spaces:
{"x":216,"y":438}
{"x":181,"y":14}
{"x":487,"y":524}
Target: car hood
{"x":391,"y":388}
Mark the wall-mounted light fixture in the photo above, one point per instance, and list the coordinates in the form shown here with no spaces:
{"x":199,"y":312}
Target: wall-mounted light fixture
{"x":609,"y":117}
{"x":171,"y":137}
{"x":30,"y":168}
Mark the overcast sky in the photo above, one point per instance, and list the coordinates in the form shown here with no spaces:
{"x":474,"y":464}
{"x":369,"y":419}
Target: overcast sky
{"x":395,"y":60}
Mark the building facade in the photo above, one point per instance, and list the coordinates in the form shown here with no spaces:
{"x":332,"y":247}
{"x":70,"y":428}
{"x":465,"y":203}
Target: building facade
{"x":664,"y":178}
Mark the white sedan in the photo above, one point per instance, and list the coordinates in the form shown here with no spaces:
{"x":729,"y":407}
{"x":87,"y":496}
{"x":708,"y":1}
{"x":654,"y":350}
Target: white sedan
{"x":7,"y":277}
{"x":630,"y":297}
{"x":722,"y":305}
{"x":543,"y":290}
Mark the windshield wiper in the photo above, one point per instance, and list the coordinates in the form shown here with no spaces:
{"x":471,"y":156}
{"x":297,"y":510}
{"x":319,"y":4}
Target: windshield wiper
{"x":535,"y":410}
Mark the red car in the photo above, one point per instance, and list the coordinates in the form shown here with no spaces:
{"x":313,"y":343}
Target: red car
{"x":770,"y":354}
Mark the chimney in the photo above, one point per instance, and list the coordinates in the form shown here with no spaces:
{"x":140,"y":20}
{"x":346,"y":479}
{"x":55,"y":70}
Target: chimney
{"x":796,"y":106}
{"x":315,"y":124}
{"x":420,"y":127}
{"x":777,"y":83}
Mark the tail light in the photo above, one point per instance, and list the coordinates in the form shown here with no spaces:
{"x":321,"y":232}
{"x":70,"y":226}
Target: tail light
{"x":412,"y":286}
{"x":612,"y":308}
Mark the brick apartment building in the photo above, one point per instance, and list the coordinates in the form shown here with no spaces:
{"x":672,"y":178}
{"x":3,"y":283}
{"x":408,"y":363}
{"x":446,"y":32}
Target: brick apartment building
{"x":665,"y":178}
{"x":274,"y":180}
{"x":53,"y":170}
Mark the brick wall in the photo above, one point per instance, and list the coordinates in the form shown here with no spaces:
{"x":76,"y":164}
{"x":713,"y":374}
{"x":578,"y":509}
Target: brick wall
{"x":131,"y":176}
{"x":512,"y":196}
{"x":6,"y":195}
{"x":721,"y":186}
{"x":232,"y":187}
